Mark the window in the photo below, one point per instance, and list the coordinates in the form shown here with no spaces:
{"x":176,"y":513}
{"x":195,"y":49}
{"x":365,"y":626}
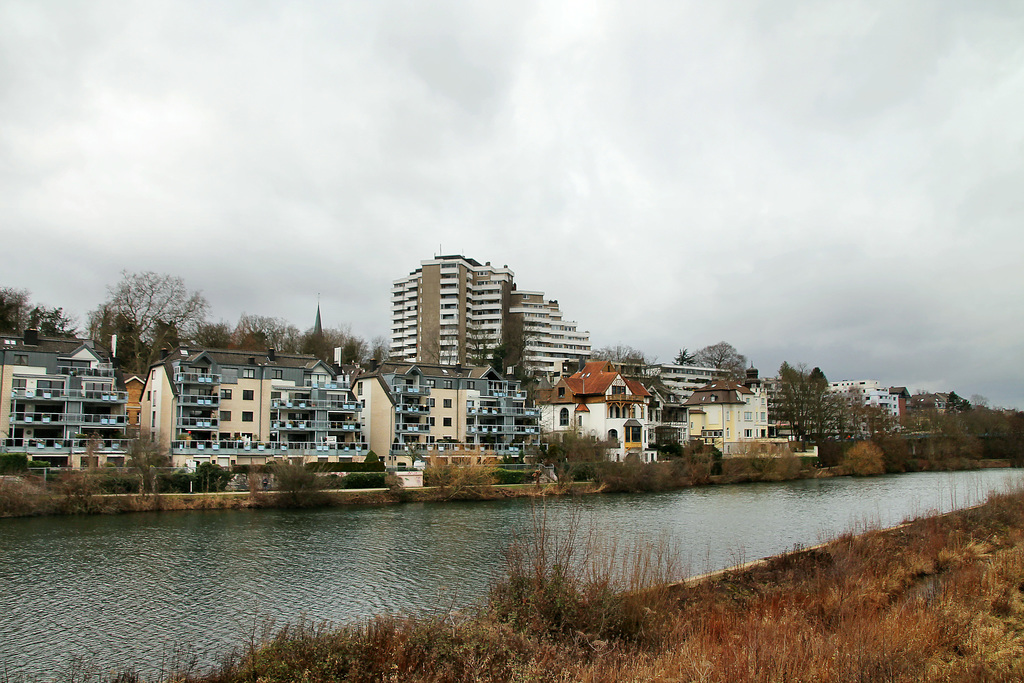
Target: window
{"x":149,"y":395}
{"x":247,"y":394}
{"x":225,"y":394}
{"x":563,"y":417}
{"x":447,"y":384}
{"x":225,"y":416}
{"x":561,"y":392}
{"x":359,"y":388}
{"x":430,"y":402}
{"x":613,"y":435}
{"x":20,"y":359}
{"x":618,"y":390}
{"x":246,"y":416}
{"x":277,"y":374}
{"x":249,"y":373}
{"x":447,"y":403}
{"x":748,"y":433}
{"x":430,"y":421}
{"x":20,"y":383}
{"x":447,"y":422}
{"x":471,"y":385}
{"x":748,"y":416}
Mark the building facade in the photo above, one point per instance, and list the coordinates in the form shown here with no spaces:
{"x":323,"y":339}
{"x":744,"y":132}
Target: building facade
{"x":871,"y":394}
{"x":453,"y":309}
{"x":235,"y":407}
{"x":598,"y":401}
{"x":63,"y":401}
{"x":731,"y":416}
{"x":452,"y":412}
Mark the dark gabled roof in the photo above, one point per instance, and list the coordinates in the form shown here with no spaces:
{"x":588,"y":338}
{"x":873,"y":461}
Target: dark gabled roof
{"x":189,"y":354}
{"x":433,"y":370}
{"x":722,"y":391}
{"x":62,"y":346}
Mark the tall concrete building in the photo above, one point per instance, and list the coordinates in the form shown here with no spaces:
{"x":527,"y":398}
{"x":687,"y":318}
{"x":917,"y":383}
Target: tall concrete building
{"x":453,"y":309}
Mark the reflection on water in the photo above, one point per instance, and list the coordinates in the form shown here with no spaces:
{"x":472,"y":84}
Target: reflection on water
{"x":128,"y":590}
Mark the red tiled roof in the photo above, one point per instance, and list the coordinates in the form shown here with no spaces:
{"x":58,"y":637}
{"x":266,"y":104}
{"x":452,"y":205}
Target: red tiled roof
{"x":595,"y":378}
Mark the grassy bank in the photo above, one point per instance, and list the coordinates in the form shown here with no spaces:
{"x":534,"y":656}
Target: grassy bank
{"x":936,"y":599}
{"x":106,"y":492}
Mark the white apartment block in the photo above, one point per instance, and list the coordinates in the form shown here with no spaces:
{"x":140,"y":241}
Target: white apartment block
{"x":550,"y":340}
{"x":453,"y":309}
{"x":868,"y":392}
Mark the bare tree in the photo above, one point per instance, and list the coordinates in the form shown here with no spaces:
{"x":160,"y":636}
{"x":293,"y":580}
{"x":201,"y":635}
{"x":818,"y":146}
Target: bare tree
{"x":722,"y":356}
{"x":147,"y":310}
{"x":213,"y":335}
{"x":805,"y":402}
{"x":14,"y":307}
{"x":260,"y":332}
{"x":145,"y":457}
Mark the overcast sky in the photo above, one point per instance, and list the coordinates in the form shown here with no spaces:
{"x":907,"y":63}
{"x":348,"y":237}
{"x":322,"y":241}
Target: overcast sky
{"x":839,"y":184}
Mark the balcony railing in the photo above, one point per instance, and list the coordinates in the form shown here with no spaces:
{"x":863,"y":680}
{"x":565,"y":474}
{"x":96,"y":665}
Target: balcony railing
{"x":412,"y":391}
{"x":196,"y":378}
{"x":69,"y":419}
{"x":211,"y":448}
{"x":70,"y":395}
{"x":101,"y":370}
{"x":198,"y":422}
{"x":67,"y":445}
{"x":413,"y":428}
{"x":412,"y":409}
{"x":199,"y":399}
{"x":299,"y":425}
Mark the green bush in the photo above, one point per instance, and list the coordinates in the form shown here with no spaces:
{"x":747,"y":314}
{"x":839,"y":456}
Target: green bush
{"x":367,"y":466}
{"x":502,"y":476}
{"x":174,"y":482}
{"x":112,"y":482}
{"x":13,"y":462}
{"x":39,"y":463}
{"x":363,"y":480}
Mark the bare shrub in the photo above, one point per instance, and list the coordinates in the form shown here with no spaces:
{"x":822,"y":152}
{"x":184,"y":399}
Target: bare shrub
{"x":300,"y":486}
{"x":864,"y":459}
{"x":458,"y":481}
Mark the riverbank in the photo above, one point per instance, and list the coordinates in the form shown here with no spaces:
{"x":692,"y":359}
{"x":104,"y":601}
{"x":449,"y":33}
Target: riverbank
{"x":935,"y":599}
{"x":76,"y":494}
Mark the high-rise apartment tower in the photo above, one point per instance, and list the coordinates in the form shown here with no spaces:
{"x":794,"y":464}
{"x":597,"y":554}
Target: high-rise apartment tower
{"x":453,"y":309}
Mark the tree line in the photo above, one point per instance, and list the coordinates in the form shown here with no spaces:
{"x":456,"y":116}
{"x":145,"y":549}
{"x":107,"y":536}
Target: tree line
{"x":150,"y":311}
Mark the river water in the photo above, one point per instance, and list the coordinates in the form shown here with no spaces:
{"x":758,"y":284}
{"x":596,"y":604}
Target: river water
{"x":133,"y":590}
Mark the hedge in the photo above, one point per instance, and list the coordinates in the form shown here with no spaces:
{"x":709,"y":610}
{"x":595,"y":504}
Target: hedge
{"x":375,"y":466}
{"x":13,"y":462}
{"x":363,"y":480}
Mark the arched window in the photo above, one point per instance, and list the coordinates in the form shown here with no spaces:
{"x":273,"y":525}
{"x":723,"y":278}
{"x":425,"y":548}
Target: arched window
{"x":563,"y":417}
{"x":613,"y":435}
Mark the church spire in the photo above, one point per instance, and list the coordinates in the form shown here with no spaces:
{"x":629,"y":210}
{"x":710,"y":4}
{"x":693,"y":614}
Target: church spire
{"x":318,"y":329}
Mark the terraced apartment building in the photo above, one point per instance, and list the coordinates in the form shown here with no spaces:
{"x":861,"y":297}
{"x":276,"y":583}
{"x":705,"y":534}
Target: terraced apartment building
{"x":456,"y":413}
{"x":62,"y":401}
{"x":453,"y":309}
{"x":235,"y":407}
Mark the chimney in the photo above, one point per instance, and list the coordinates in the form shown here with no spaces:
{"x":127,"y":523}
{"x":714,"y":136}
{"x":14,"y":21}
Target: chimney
{"x":582,"y":364}
{"x":31,"y":337}
{"x":374,"y":364}
{"x":272,"y":354}
{"x":163,"y":354}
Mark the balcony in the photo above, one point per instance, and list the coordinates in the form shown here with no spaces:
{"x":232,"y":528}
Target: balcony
{"x":410,"y":409}
{"x":299,"y":425}
{"x":196,"y":378}
{"x":39,"y":418}
{"x":201,"y":449}
{"x":198,"y":422}
{"x":199,"y":399}
{"x":526,"y":429}
{"x":411,"y":390}
{"x":412,"y":428}
{"x":100,"y":370}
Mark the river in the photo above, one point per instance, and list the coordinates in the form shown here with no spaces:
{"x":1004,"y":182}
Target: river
{"x":142,"y":589}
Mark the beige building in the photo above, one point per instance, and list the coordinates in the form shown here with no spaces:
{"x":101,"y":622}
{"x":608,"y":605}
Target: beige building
{"x":729,"y":415}
{"x":453,"y":309}
{"x":453,"y":412}
{"x":234,"y":407}
{"x":62,"y":401}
